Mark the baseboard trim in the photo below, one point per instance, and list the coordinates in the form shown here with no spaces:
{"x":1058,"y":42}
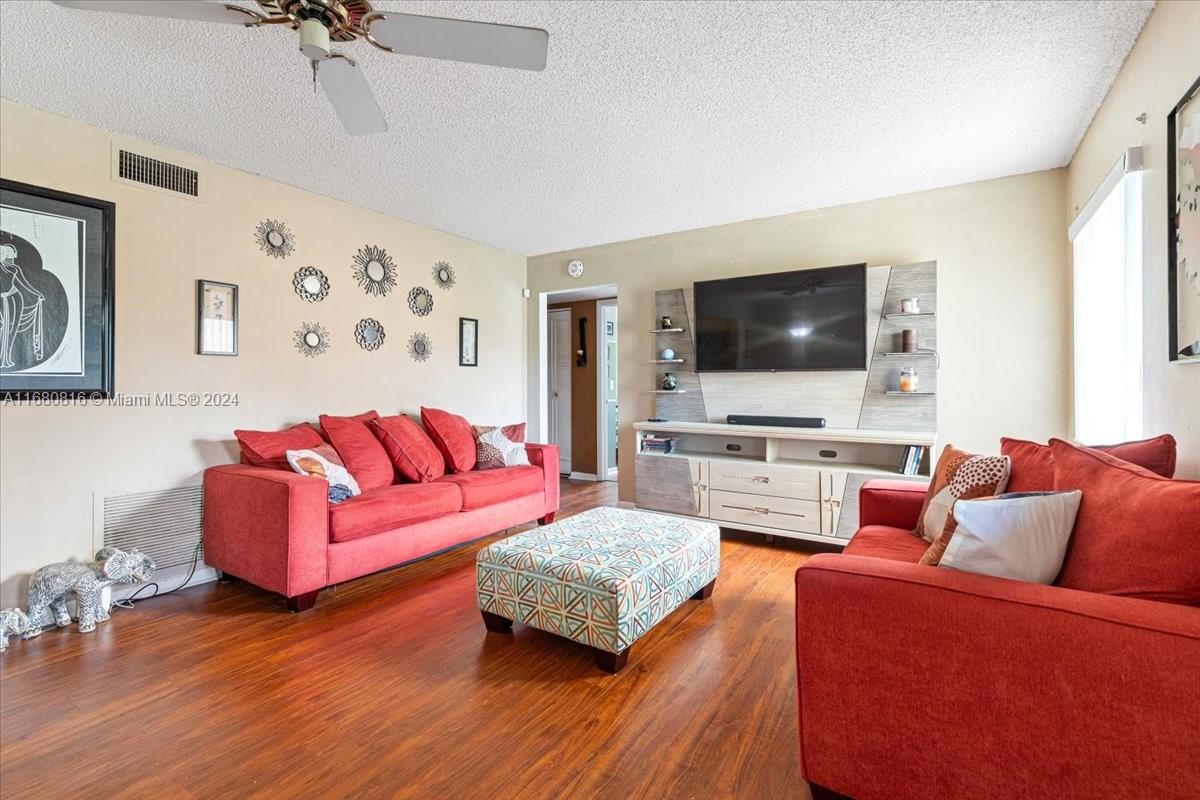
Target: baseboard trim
{"x":626,"y":505}
{"x":583,"y":476}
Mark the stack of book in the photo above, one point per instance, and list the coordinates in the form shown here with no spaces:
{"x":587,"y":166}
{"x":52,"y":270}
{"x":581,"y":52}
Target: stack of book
{"x":910,"y":463}
{"x":658,"y":444}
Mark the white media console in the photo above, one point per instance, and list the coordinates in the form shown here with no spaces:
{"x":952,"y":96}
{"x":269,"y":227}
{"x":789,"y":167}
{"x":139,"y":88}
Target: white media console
{"x":800,"y":483}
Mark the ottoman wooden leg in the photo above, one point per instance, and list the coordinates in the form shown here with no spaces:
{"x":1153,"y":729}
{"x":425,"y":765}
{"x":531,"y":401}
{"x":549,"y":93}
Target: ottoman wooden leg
{"x":496,"y":623}
{"x":611,"y":662}
{"x":705,"y":590}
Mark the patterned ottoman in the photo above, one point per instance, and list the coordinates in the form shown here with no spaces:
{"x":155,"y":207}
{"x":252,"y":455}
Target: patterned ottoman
{"x":602,"y":578}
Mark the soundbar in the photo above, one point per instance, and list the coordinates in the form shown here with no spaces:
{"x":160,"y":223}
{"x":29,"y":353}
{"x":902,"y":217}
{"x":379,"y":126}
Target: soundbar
{"x":784,"y":422}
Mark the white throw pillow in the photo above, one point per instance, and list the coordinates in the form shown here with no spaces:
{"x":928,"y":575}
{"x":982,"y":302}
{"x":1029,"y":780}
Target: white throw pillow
{"x":323,"y":462}
{"x":1022,"y":536}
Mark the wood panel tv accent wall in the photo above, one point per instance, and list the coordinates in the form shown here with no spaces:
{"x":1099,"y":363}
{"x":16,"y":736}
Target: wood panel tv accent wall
{"x":847,"y":399}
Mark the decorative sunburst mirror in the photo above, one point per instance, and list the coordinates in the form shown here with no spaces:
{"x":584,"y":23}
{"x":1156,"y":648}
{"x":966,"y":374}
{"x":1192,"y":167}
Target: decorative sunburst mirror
{"x":369,"y":334}
{"x":374,"y":270}
{"x":311,"y":284}
{"x":420,"y":301}
{"x":419,"y":347}
{"x":274,"y":238}
{"x":443,"y":275}
{"x":311,"y":339}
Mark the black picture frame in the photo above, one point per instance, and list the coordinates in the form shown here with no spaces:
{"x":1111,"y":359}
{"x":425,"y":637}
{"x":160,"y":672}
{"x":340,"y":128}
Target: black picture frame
{"x":1173,"y":354}
{"x":95,"y":327}
{"x":465,"y":360}
{"x":201,"y":350}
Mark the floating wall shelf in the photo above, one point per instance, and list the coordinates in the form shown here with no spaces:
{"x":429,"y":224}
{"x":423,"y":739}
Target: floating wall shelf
{"x":669,"y":391}
{"x":910,"y":394}
{"x":667,"y":361}
{"x":667,"y":330}
{"x":914,"y":353}
{"x":902,"y":315}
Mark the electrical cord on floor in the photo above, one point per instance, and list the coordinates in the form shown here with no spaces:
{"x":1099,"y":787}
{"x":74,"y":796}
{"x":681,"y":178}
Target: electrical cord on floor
{"x":127,"y":602}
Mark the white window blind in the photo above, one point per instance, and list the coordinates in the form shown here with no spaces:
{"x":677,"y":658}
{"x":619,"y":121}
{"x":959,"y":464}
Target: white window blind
{"x":1106,"y":246}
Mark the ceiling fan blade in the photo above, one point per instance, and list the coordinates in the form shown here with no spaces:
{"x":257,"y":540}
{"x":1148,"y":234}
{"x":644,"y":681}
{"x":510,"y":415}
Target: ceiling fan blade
{"x":350,"y":95}
{"x":175,"y":9}
{"x":462,"y":40}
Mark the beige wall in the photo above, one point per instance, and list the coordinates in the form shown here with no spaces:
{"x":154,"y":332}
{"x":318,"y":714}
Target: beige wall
{"x":54,"y":460}
{"x":1003,"y":294}
{"x":1164,"y":62}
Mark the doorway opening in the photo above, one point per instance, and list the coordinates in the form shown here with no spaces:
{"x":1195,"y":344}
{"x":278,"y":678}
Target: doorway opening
{"x":579,"y":410}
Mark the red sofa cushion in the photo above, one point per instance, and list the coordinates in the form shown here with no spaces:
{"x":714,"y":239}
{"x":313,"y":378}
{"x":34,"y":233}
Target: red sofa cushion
{"x":361,"y":452}
{"x":1033,"y":463}
{"x":269,"y":448}
{"x":882,"y":541}
{"x":453,"y":435}
{"x":389,"y":507}
{"x":490,"y":486}
{"x":412,"y":452}
{"x":1137,"y":534}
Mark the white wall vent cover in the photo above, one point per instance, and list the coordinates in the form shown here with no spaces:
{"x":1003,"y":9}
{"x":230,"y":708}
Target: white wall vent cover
{"x":154,"y":173}
{"x":164,"y":524}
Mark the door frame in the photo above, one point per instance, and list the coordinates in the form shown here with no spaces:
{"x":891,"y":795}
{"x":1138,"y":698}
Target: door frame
{"x":603,"y":446}
{"x":564,"y":464}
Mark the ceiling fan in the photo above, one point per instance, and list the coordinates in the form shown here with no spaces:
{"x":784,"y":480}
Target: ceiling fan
{"x":321,"y":22}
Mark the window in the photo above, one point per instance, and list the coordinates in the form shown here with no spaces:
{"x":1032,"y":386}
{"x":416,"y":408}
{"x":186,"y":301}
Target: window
{"x":1106,"y":243}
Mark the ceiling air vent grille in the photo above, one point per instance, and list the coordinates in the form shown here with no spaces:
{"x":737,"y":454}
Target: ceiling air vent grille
{"x":159,"y":174}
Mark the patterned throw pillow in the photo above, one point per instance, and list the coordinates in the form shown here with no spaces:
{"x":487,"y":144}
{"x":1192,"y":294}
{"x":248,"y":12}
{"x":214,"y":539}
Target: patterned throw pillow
{"x":323,"y":462}
{"x":500,"y":447}
{"x":959,"y":475}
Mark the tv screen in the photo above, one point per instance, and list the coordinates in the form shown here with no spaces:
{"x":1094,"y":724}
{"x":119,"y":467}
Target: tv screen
{"x":804,"y":320}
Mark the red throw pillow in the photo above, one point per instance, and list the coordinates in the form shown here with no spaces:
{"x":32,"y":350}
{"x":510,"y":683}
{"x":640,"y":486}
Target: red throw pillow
{"x":269,"y":448}
{"x":453,"y":435}
{"x":361,"y":452}
{"x":1033,"y":463}
{"x":413,"y":453}
{"x":1137,"y":534}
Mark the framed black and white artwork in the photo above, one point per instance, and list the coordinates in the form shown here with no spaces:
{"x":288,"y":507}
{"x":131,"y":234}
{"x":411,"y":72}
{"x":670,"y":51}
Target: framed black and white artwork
{"x":468,"y":342}
{"x":216,"y":318}
{"x":1183,"y":232}
{"x":57,"y":254}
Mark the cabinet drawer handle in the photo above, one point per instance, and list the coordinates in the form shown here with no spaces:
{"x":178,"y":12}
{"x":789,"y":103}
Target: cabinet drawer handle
{"x":761,"y":479}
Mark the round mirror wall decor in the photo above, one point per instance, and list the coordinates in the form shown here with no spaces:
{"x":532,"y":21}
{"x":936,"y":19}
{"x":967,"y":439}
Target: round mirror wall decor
{"x":369,"y":334}
{"x":443,"y":275}
{"x":420,"y":301}
{"x":374,"y":270}
{"x":419,"y":347}
{"x":311,"y":284}
{"x":311,"y":339}
{"x":274,"y":238}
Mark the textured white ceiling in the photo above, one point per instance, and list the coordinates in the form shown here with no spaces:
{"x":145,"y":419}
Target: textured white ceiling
{"x":649,"y":117}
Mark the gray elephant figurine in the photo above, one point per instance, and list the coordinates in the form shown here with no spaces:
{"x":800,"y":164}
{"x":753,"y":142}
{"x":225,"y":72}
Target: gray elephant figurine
{"x":50,"y":585}
{"x":13,"y":622}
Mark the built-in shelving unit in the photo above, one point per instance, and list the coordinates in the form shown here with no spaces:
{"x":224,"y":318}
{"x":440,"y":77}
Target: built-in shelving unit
{"x":903,"y":315}
{"x":800,"y":483}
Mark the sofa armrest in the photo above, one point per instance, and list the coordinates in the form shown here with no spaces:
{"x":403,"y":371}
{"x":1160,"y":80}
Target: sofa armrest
{"x":896,"y":504}
{"x":267,"y":526}
{"x":546,"y":457}
{"x":958,"y":685}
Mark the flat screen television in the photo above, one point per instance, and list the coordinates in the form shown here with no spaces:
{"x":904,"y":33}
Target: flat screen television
{"x":811,"y":319}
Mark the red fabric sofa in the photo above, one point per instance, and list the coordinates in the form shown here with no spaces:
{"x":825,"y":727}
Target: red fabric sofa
{"x":920,"y":682}
{"x":277,"y":529}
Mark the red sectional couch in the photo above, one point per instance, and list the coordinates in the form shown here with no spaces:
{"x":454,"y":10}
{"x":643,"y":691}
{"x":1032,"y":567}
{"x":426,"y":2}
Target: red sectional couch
{"x":277,"y":529}
{"x":921,"y":682}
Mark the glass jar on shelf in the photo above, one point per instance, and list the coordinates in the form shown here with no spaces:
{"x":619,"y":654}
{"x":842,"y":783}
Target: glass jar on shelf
{"x":908,"y":379}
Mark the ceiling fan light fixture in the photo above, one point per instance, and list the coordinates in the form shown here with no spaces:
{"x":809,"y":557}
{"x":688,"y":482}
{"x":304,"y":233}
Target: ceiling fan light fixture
{"x":314,"y":40}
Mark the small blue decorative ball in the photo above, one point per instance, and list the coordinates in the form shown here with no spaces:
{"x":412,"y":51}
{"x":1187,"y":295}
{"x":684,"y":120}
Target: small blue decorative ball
{"x":668,"y":354}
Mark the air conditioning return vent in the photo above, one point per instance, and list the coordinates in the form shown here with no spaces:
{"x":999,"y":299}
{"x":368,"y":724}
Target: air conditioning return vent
{"x":159,"y":174}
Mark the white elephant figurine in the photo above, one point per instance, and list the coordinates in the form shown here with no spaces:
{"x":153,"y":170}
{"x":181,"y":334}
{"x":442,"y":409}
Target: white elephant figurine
{"x":50,"y":585}
{"x":13,"y":622}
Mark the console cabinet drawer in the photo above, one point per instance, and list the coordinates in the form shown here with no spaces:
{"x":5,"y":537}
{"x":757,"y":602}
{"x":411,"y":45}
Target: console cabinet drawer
{"x":768,"y":479}
{"x":802,"y":516}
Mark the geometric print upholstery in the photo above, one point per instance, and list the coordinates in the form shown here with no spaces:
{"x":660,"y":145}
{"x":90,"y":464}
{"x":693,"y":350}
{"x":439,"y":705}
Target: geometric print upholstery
{"x":602,"y":578}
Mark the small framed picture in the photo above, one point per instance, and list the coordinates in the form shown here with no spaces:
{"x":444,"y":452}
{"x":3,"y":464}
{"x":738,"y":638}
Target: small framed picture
{"x":216,"y":318}
{"x":468,"y":342}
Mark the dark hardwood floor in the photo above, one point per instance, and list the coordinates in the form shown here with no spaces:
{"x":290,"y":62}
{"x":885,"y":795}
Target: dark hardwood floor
{"x":391,"y":687}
